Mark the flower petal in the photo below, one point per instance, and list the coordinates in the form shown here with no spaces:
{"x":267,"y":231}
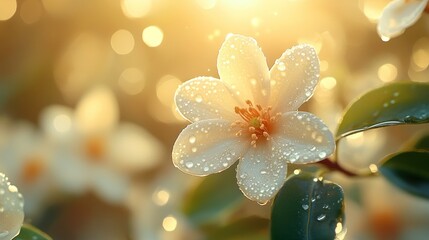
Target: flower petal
{"x":132,"y":148}
{"x":206,"y":98}
{"x":243,"y":66}
{"x":398,"y":15}
{"x":303,"y":137}
{"x":109,"y":184}
{"x":97,"y":111}
{"x":261,"y":173}
{"x":12,"y":212}
{"x":293,"y":78}
{"x":207,"y":147}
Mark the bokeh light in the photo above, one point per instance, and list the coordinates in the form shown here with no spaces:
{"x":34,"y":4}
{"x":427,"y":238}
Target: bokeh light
{"x":136,"y":8}
{"x":122,"y":42}
{"x":132,"y":81}
{"x":7,"y":9}
{"x":152,"y":36}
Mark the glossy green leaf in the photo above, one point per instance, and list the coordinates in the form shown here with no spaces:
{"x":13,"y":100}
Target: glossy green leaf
{"x":408,"y":171}
{"x":307,"y":208}
{"x":393,"y":104}
{"x":29,"y":232}
{"x":250,"y":228}
{"x":216,"y":194}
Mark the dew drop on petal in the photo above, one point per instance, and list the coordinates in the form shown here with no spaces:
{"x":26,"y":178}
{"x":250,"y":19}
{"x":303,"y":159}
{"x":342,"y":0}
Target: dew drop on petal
{"x":321,"y":217}
{"x":281,"y":66}
{"x":189,"y":164}
{"x":225,"y":164}
{"x":198,"y":98}
{"x":192,"y":139}
{"x":206,"y":169}
{"x":322,"y":154}
{"x":304,"y":206}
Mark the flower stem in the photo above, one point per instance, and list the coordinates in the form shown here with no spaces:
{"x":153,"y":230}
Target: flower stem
{"x":334,"y":166}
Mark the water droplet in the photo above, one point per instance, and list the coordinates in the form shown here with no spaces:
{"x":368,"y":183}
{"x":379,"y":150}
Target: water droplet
{"x":281,"y":66}
{"x":253,"y":82}
{"x":321,"y":217}
{"x":322,"y":154}
{"x":189,"y":164}
{"x":263,"y":172}
{"x":206,"y":169}
{"x":304,"y":206}
{"x":198,"y":98}
{"x":225,"y":164}
{"x":192,"y":139}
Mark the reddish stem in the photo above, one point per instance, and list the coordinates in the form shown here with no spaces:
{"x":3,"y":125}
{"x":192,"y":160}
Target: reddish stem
{"x":331,"y":165}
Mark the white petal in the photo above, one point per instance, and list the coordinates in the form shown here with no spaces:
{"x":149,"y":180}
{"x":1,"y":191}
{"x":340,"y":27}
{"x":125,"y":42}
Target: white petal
{"x":132,"y":148}
{"x":293,"y":78}
{"x":398,"y":15}
{"x":57,"y":121}
{"x":97,"y":111}
{"x":243,"y":66}
{"x":70,"y":170}
{"x":11,"y":209}
{"x":207,"y":147}
{"x":261,"y":173}
{"x":303,"y":137}
{"x":206,"y":98}
{"x":110,"y":185}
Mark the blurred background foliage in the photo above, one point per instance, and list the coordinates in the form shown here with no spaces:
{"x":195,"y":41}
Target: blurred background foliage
{"x":54,"y":54}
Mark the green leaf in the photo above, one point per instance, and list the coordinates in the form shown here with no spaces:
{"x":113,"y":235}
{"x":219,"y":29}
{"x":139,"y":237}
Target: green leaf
{"x":393,"y":104}
{"x":250,"y":228}
{"x":307,"y":208}
{"x":408,"y":171}
{"x":215,"y":195}
{"x":29,"y":232}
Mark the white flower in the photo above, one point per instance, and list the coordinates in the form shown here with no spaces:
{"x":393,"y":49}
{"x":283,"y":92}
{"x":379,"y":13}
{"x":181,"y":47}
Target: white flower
{"x":155,"y":208}
{"x":399,"y":15}
{"x":94,"y":150}
{"x":11,"y":209}
{"x":25,"y":157}
{"x":250,"y":114}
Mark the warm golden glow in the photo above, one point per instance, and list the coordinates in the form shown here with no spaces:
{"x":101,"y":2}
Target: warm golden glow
{"x":152,"y":36}
{"x":169,"y":223}
{"x":206,"y":4}
{"x":31,"y":11}
{"x":328,"y":83}
{"x":136,"y":8}
{"x":161,"y":197}
{"x":122,"y":42}
{"x":7,"y":9}
{"x":165,"y":89}
{"x":387,"y":72}
{"x":132,"y":81}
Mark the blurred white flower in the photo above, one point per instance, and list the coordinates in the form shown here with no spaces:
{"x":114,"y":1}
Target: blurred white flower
{"x":250,"y":114}
{"x":11,"y":209}
{"x":26,"y":158}
{"x":94,"y":150}
{"x":399,"y":15}
{"x":156,"y":208}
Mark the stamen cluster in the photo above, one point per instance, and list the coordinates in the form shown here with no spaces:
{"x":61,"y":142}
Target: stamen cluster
{"x":258,"y":122}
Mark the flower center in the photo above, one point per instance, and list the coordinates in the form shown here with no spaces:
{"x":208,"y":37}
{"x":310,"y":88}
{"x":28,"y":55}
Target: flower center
{"x":95,"y":148}
{"x":257,"y":122}
{"x":32,"y":169}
